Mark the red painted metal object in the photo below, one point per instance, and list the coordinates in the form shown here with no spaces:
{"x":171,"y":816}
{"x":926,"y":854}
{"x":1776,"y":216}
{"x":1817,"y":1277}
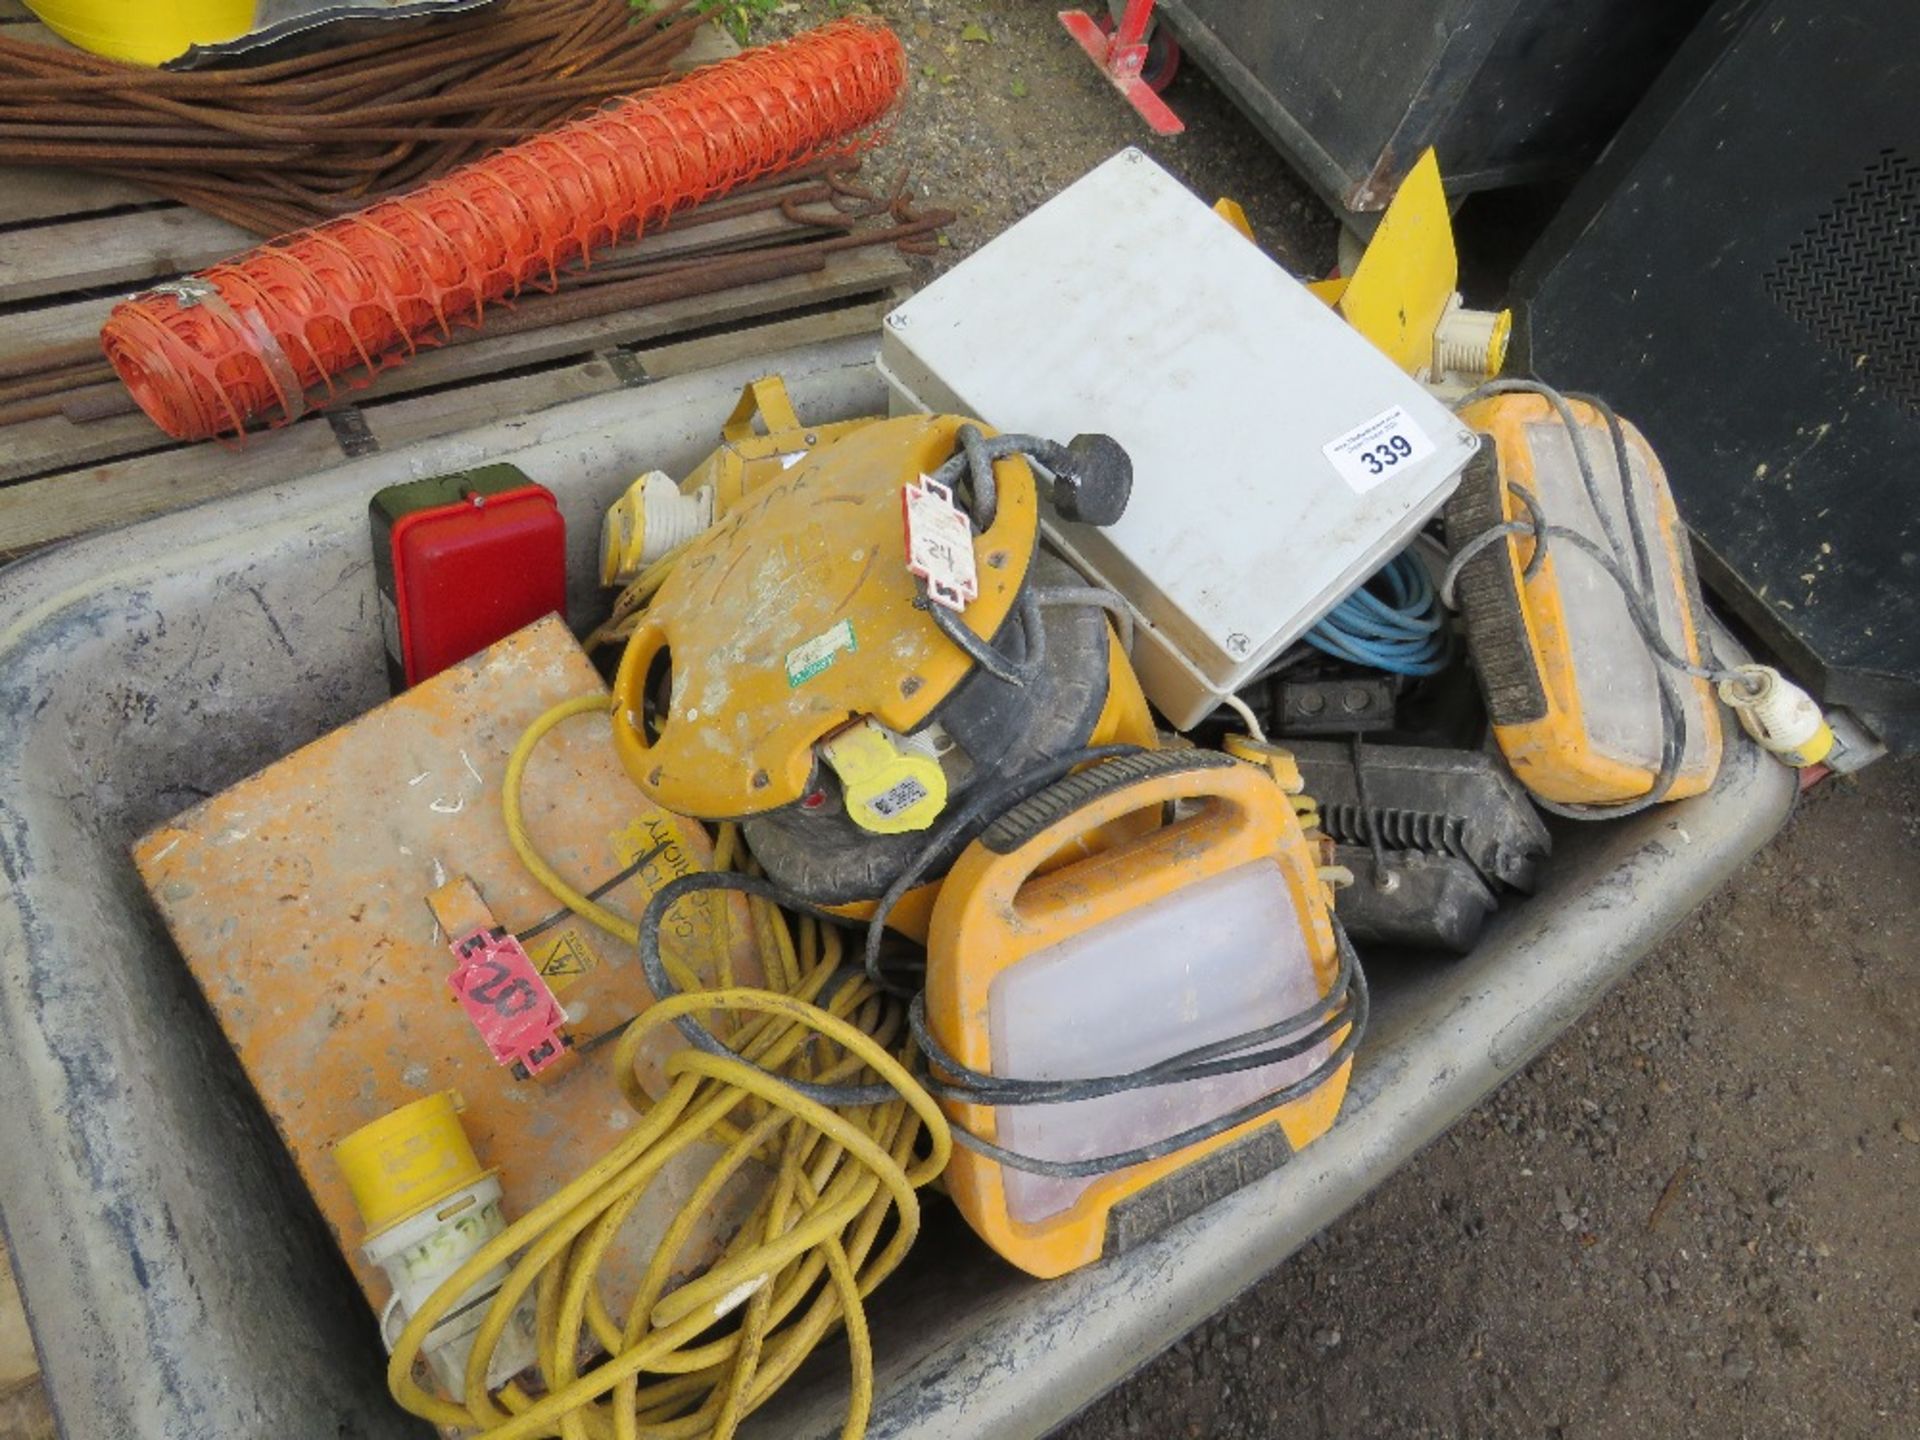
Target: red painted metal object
{"x":1122,"y":56}
{"x":461,"y":562}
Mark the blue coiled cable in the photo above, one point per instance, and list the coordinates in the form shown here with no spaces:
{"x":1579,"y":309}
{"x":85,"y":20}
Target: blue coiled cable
{"x":1393,"y":622}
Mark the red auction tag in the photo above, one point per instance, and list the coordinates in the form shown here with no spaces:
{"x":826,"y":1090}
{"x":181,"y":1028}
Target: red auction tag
{"x":508,"y":1001}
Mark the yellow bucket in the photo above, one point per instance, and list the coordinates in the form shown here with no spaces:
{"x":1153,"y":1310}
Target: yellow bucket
{"x":147,"y":32}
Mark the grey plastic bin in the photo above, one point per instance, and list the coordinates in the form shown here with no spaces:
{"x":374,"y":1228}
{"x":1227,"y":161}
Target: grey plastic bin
{"x":180,"y":1284}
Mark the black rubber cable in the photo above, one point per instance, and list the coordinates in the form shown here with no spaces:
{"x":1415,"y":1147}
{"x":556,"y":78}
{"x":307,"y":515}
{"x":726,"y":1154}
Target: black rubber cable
{"x":1194,"y":1135}
{"x":1381,"y":871}
{"x":1328,"y":1015}
{"x":975,"y":459}
{"x":1046,"y":596}
{"x":983,"y":652}
{"x":697,"y":1035}
{"x":1623,"y":467}
{"x":600,"y":891}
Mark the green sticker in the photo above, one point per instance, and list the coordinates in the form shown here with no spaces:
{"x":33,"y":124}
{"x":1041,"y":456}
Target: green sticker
{"x":808,"y":660}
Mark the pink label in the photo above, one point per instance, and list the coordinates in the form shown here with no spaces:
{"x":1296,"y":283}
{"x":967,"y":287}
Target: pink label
{"x":508,"y":1001}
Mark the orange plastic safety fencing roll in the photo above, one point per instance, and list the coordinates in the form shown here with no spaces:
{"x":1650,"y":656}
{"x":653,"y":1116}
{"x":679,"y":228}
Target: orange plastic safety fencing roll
{"x":253,"y":338}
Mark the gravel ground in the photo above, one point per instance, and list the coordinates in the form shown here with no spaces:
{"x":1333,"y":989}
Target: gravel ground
{"x":994,"y":126}
{"x":1694,"y":1215}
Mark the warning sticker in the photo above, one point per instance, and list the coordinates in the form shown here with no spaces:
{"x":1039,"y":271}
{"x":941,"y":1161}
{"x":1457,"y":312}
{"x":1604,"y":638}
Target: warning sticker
{"x":562,"y":958}
{"x":1371,"y":453}
{"x":808,"y":660}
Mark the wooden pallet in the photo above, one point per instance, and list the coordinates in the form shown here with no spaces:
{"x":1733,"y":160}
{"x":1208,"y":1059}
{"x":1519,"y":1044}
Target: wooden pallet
{"x":72,"y":245}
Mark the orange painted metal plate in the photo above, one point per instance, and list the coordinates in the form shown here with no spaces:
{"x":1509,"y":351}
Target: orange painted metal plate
{"x":298,"y":900}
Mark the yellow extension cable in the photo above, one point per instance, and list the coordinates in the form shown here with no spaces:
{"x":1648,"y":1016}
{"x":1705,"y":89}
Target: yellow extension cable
{"x":628,"y":604}
{"x":802,"y":1264}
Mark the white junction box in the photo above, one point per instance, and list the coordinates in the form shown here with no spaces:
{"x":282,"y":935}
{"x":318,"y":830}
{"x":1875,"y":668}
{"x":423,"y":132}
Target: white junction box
{"x":1279,"y":458}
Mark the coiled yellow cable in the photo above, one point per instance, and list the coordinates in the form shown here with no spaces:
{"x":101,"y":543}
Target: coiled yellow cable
{"x":802,"y":1264}
{"x":628,"y":604}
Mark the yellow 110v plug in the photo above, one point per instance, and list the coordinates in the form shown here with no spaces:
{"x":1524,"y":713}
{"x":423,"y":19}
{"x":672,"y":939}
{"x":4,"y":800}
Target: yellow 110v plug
{"x":1778,"y":714}
{"x":428,"y":1207}
{"x":893,"y":783}
{"x":650,"y":520}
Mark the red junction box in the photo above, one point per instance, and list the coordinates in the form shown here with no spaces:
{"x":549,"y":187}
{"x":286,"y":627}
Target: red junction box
{"x":463,"y":561}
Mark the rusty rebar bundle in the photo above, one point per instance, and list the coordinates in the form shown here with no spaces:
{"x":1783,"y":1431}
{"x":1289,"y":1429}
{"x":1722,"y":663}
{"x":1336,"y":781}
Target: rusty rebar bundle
{"x":296,"y":142}
{"x":822,"y":209}
{"x":258,"y":335}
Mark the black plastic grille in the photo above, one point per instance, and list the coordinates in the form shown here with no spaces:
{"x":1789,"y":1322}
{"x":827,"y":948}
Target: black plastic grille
{"x":1853,"y":280}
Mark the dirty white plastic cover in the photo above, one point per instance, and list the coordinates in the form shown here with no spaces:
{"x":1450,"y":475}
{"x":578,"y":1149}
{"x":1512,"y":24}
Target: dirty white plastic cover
{"x":1212,"y":960}
{"x":1279,"y":457}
